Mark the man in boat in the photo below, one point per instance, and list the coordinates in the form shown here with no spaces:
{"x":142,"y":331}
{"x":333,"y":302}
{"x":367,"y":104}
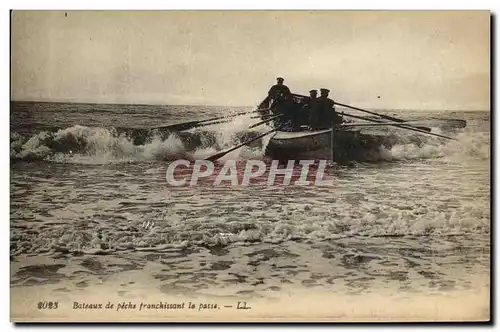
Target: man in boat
{"x":278,"y":90}
{"x":323,"y":115}
{"x":278,"y":94}
{"x":309,"y":110}
{"x":279,"y":99}
{"x":311,"y":100}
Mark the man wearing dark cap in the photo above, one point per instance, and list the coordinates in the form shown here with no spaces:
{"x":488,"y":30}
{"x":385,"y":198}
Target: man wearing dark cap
{"x":311,"y":108}
{"x":278,"y":90}
{"x":311,"y":102}
{"x":326,"y":111}
{"x":278,"y":93}
{"x":279,"y":99}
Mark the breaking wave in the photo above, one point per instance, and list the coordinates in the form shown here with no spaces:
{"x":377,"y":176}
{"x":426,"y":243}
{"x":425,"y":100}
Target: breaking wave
{"x":97,"y":145}
{"x":467,"y":145}
{"x":303,"y":219}
{"x":301,"y":222}
{"x":81,"y":144}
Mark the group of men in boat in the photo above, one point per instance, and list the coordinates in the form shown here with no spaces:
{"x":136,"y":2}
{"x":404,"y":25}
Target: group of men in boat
{"x":313,"y":111}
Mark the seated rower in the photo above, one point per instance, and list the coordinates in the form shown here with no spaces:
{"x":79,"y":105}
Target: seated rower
{"x":324,"y":116}
{"x":285,"y":105}
{"x":277,"y":91}
{"x":275,"y":96}
{"x":310,"y":108}
{"x":311,"y":101}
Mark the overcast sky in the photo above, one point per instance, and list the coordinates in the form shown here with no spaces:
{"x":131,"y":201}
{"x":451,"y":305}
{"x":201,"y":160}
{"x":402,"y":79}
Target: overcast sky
{"x":413,"y":60}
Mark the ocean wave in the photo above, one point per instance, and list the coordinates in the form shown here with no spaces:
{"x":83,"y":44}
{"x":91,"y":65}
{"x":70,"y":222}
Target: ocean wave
{"x":162,"y":230}
{"x":466,"y":146}
{"x":81,"y":144}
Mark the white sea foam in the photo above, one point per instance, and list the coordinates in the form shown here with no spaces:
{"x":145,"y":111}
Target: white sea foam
{"x":80,"y":144}
{"x":468,"y":145}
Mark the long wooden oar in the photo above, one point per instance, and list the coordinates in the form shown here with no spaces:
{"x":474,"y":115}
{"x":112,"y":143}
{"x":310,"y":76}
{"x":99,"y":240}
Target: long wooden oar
{"x":223,"y":153}
{"x":387,"y":117}
{"x":202,"y":123}
{"x":265,"y":121}
{"x":268,"y":118}
{"x":398,"y":125}
{"x":345,"y":125}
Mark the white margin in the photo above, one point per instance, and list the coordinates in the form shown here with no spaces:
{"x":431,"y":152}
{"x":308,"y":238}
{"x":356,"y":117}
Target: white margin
{"x":199,"y":4}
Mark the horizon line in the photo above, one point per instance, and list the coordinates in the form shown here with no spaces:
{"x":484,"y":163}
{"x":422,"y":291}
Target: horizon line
{"x":213,"y":105}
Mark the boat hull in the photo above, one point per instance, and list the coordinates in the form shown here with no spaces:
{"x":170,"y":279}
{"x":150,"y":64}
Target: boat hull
{"x":349,"y":145}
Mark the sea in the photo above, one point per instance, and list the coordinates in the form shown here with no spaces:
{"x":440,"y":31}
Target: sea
{"x":93,"y":219}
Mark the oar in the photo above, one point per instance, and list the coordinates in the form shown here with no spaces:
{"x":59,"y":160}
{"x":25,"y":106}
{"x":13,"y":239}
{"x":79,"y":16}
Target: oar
{"x":237,"y":114}
{"x":263,"y":109}
{"x":345,"y":125}
{"x":398,"y":125}
{"x":265,"y":121}
{"x":380,"y":115}
{"x":211,"y":123}
{"x":268,"y":118}
{"x":201,"y":123}
{"x":223,"y":153}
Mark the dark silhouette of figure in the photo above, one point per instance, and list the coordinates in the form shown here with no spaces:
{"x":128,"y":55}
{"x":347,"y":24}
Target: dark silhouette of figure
{"x":278,"y":90}
{"x":276,"y":99}
{"x":310,"y":108}
{"x":323,"y":114}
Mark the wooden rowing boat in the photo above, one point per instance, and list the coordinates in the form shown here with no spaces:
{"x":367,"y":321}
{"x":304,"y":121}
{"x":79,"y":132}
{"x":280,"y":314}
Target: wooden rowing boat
{"x":349,"y":144}
{"x":344,"y":142}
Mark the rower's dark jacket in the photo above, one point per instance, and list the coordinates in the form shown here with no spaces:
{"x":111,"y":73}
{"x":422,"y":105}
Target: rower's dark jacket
{"x":326,"y":103}
{"x":277,"y":90}
{"x":323,"y":113}
{"x":310,"y":103}
{"x":312,"y":111}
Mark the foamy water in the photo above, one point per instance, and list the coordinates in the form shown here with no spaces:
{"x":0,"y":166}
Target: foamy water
{"x":89,"y":209}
